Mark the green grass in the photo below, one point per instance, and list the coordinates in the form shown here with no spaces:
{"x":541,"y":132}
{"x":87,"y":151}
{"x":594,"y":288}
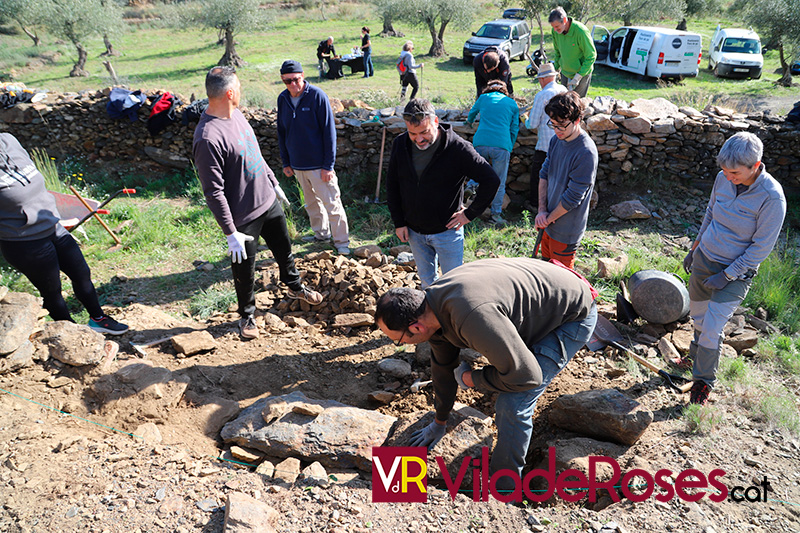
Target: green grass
{"x":701,"y":419}
{"x":177,"y":60}
{"x":776,"y":286}
{"x":206,"y":302}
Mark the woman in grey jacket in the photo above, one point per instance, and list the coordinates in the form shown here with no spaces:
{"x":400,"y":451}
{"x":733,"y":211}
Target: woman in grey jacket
{"x":34,"y":242}
{"x":741,"y":225}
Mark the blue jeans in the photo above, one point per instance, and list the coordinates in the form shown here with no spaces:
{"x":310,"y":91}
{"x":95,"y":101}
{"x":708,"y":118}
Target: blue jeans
{"x":368,"y":69}
{"x":514,"y":410}
{"x":445,"y":249}
{"x":498,"y":158}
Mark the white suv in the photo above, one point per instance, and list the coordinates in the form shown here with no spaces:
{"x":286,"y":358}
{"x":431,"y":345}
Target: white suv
{"x":735,"y":53}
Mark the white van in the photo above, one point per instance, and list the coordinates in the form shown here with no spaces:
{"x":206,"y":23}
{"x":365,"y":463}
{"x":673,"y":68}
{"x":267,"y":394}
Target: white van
{"x":735,"y":53}
{"x":649,"y":51}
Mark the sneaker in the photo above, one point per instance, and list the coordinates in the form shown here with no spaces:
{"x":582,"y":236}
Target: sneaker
{"x":343,"y":250}
{"x":314,"y":238}
{"x":106,"y":324}
{"x":307,"y":295}
{"x":498,"y":220}
{"x":248,"y":328}
{"x":699,"y":393}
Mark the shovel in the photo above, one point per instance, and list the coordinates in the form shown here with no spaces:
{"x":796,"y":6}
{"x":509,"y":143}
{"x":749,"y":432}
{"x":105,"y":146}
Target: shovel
{"x":606,"y":334}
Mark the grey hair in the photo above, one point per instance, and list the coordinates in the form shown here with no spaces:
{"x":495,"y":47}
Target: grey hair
{"x":219,"y":80}
{"x":330,"y":38}
{"x":558,"y":14}
{"x":742,"y":150}
{"x":408,"y":45}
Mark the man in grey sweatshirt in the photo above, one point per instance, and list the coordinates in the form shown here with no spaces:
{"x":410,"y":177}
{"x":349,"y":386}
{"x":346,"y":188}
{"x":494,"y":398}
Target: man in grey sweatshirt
{"x":526,"y":316}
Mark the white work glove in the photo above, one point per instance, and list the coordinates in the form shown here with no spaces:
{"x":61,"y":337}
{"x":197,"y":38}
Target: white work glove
{"x":576,"y":79}
{"x":458,"y":372}
{"x":281,"y":195}
{"x":428,"y":436}
{"x":236,"y":242}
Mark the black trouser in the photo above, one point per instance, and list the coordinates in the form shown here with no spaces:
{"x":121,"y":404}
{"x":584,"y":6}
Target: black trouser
{"x":409,"y":78}
{"x":41,"y":260}
{"x":536,"y":165}
{"x":272,"y":227}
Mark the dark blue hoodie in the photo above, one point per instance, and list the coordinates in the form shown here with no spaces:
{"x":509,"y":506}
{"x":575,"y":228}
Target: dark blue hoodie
{"x":306,"y":133}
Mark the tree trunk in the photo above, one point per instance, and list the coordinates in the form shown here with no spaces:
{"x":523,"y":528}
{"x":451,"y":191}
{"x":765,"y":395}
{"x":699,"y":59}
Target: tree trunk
{"x":389,"y":31}
{"x":786,"y":78}
{"x":221,"y":37}
{"x":230,"y":58}
{"x":437,"y":46}
{"x":626,"y":20}
{"x":78,"y":70}
{"x":111,"y":71}
{"x":110,"y":52}
{"x":32,"y":35}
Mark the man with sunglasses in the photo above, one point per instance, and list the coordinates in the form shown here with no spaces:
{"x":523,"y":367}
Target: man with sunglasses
{"x":527,"y":317}
{"x":307,"y":141}
{"x":566,"y":180}
{"x":243,"y":194}
{"x":428,"y":168}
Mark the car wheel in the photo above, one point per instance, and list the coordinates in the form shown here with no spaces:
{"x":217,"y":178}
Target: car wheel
{"x":716,"y":71}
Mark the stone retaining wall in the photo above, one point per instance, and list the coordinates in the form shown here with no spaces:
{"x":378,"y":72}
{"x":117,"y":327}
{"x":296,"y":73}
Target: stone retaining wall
{"x":644,"y":136}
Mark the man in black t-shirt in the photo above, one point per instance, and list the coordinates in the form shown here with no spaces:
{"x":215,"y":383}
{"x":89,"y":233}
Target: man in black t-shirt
{"x":325,"y":50}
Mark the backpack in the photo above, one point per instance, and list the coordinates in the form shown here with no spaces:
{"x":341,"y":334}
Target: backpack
{"x":163,"y":113}
{"x":401,"y":66}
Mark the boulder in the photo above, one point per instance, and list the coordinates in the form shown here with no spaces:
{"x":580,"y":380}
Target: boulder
{"x":682,"y":339}
{"x":194,"y":342}
{"x":668,"y":351}
{"x":340,"y":437}
{"x":244,"y":514}
{"x":22,"y":357}
{"x":149,"y":433}
{"x":747,"y":339}
{"x":630,"y":210}
{"x":604,"y":414}
{"x":394,"y":367}
{"x":608,"y":267}
{"x":18,"y":317}
{"x":353,"y":320}
{"x":73,"y":344}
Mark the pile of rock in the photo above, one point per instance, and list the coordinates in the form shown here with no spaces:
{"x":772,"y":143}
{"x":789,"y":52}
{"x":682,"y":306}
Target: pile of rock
{"x":19,"y":313}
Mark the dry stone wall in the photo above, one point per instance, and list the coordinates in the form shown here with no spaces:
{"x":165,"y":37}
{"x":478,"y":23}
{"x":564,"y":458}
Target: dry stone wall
{"x":652,"y":137}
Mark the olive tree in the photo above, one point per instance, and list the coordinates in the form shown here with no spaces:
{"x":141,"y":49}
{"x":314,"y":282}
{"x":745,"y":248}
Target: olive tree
{"x":631,"y":11}
{"x":25,"y":13}
{"x":389,"y":11}
{"x":78,"y":21}
{"x":779,"y":23}
{"x":231,"y":17}
{"x":436,"y":15}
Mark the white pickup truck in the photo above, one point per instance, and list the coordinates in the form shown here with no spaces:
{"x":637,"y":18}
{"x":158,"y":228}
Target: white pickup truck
{"x":649,"y":51}
{"x":735,"y":53}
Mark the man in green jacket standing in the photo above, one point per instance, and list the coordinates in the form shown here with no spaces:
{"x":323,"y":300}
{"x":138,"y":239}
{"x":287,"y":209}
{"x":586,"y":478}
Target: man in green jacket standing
{"x":574,"y":53}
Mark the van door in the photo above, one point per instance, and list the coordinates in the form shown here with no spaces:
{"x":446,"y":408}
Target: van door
{"x":636,"y":56}
{"x":602,"y":40}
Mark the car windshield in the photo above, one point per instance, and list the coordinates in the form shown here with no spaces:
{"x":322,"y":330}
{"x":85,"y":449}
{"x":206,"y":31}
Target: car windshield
{"x":742,"y":46}
{"x":493,"y":31}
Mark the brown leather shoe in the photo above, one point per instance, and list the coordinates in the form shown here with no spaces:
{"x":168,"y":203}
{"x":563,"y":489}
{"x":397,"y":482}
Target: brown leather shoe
{"x":248,"y":328}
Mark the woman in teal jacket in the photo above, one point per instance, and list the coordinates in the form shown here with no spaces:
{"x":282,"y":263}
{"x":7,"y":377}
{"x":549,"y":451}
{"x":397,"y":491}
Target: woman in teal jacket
{"x":496,"y":135}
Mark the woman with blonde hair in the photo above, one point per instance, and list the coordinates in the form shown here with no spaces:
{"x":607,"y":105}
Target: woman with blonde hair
{"x":406,"y":68}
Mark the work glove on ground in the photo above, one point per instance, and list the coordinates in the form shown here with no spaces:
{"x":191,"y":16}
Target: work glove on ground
{"x":717,"y":281}
{"x":574,"y":81}
{"x":428,"y":436}
{"x":281,"y":195}
{"x":236,"y":242}
{"x":458,"y":372}
{"x":687,"y":262}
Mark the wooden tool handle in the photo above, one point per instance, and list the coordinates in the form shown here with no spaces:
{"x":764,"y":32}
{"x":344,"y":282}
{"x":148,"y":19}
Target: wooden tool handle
{"x":100,"y":220}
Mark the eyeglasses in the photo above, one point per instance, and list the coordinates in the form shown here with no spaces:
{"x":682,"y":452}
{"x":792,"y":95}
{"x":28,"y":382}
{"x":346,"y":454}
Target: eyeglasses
{"x":399,"y":342}
{"x":553,"y":126}
{"x":419,"y":116}
{"x":289,"y":81}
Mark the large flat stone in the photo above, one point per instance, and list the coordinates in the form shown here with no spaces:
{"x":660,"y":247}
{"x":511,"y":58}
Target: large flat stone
{"x":244,"y":514}
{"x":340,"y":437}
{"x":18,"y":315}
{"x":602,"y":414}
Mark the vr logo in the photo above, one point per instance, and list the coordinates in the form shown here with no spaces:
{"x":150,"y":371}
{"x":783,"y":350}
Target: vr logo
{"x":400,"y":474}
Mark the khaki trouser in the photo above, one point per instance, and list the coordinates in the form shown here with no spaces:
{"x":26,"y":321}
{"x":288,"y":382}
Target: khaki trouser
{"x":324,"y":206}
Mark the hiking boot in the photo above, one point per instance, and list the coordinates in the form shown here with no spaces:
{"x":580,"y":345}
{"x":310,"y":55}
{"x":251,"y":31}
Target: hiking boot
{"x":106,"y":324}
{"x":314,"y":238}
{"x":699,"y":393}
{"x":343,"y":250}
{"x":498,"y":220}
{"x":307,"y":295}
{"x":248,"y":328}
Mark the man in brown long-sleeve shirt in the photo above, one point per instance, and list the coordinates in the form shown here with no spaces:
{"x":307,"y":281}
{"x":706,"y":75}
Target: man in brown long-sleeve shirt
{"x":526,"y":316}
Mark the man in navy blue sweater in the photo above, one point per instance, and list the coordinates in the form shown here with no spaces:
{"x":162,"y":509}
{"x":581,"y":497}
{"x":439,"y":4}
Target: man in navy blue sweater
{"x":307,"y":140}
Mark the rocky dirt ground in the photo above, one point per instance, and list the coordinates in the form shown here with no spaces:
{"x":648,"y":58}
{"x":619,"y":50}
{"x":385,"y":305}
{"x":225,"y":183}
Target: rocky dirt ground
{"x":72,"y":456}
